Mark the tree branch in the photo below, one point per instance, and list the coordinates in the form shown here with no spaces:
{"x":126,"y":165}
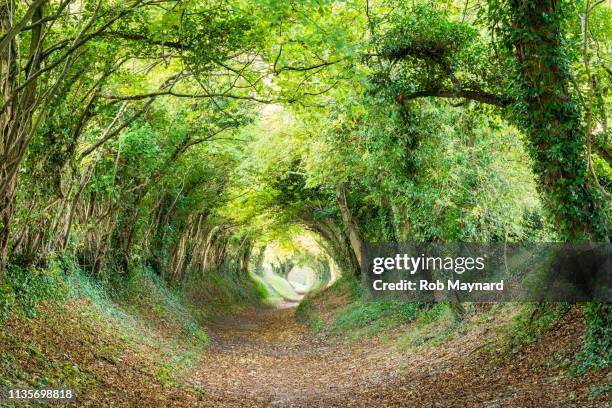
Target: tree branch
{"x":144,"y":39}
{"x":184,"y":95}
{"x":14,"y":30}
{"x":475,"y":95}
{"x":302,"y":69}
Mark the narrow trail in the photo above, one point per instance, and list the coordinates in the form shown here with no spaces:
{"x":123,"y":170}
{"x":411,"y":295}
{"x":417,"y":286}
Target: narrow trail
{"x":264,"y":358}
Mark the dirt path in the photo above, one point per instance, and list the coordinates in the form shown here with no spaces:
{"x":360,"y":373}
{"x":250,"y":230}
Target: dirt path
{"x":264,"y":358}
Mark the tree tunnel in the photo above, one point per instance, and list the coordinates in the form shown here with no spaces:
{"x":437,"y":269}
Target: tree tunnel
{"x":171,"y":168}
{"x":293,"y":266}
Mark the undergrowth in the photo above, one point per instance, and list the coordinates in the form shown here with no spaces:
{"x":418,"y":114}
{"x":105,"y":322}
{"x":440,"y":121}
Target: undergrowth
{"x":530,"y":324}
{"x":534,"y":320}
{"x":137,"y":309}
{"x":596,"y":350}
{"x":306,"y":313}
{"x":438,"y":323}
{"x":21,"y":289}
{"x":433,"y":326}
{"x":219,"y":292}
{"x":378,"y":316}
{"x":355,"y":318}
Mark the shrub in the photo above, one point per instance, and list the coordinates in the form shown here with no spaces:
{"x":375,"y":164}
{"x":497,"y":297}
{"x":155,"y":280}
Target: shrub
{"x":23,"y":288}
{"x":362,"y":313}
{"x":596,"y":350}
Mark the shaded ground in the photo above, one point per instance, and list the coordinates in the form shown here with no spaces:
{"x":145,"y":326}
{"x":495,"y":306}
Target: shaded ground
{"x":73,"y":346}
{"x":264,"y":358}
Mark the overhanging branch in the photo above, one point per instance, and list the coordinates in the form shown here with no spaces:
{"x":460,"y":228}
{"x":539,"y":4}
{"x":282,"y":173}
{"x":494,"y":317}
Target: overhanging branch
{"x":185,"y":95}
{"x":475,"y":95}
{"x":146,"y":40}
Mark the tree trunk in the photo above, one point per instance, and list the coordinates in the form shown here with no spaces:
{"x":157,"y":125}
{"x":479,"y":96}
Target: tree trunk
{"x":7,"y":178}
{"x":16,"y":116}
{"x":355,"y":238}
{"x":334,"y":243}
{"x":551,"y":119}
